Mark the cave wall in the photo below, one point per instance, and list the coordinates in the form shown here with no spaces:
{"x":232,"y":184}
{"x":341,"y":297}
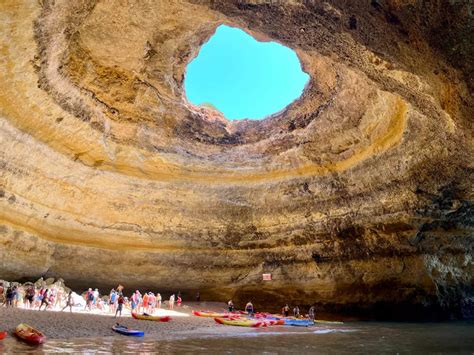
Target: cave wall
{"x":357,"y":197}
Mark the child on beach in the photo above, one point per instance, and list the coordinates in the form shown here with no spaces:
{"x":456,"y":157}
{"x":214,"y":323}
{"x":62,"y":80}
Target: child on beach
{"x":171,"y":303}
{"x":178,"y":302}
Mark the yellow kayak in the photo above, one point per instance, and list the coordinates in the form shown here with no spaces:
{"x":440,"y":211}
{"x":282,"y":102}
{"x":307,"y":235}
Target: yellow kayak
{"x":241,"y":322}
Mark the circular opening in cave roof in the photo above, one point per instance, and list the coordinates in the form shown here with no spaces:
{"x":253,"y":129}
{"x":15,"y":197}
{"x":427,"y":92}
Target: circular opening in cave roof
{"x":242,"y":77}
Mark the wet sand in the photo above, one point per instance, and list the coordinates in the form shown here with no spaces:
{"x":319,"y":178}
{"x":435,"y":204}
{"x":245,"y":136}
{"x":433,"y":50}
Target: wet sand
{"x":64,"y":325}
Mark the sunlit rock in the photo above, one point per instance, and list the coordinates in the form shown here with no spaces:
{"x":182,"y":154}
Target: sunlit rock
{"x":357,"y":197}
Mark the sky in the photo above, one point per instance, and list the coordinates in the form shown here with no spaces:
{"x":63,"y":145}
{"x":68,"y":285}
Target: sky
{"x":244,"y":78}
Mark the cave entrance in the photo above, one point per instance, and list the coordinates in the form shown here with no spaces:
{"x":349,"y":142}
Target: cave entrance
{"x":244,"y":78}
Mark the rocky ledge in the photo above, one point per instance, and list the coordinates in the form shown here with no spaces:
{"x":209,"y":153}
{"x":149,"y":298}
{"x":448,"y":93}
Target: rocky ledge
{"x":357,"y":197}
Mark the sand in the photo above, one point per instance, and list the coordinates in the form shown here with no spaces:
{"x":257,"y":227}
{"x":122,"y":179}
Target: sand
{"x":63,"y":325}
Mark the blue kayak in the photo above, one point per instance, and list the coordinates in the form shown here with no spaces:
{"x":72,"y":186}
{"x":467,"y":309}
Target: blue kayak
{"x":126,"y":331}
{"x":299,"y":322}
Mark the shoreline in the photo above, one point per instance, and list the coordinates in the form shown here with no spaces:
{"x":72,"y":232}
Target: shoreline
{"x":64,"y":325}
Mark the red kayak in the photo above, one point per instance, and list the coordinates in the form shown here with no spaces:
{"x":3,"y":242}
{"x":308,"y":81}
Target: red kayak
{"x":3,"y":335}
{"x":29,"y":334}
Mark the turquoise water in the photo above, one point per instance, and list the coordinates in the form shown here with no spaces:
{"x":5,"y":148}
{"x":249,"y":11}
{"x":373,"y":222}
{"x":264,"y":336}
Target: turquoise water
{"x":244,"y":78}
{"x":350,"y":338}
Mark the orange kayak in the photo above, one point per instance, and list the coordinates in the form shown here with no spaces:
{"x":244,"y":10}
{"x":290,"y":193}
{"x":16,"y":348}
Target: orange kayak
{"x":3,"y":335}
{"x":29,"y":334}
{"x":152,"y":318}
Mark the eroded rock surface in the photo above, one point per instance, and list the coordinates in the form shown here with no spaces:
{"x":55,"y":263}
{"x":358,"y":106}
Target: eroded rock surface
{"x":357,"y":197}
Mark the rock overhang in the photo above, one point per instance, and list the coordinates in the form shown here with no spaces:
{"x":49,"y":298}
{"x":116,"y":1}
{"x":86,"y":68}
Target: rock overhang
{"x":104,"y":159}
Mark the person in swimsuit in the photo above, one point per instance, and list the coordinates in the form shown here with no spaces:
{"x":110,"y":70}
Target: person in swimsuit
{"x":145,"y":302}
{"x":112,"y":300}
{"x":44,"y":300}
{"x":285,"y":310}
{"x":69,"y":302}
{"x":30,"y":296}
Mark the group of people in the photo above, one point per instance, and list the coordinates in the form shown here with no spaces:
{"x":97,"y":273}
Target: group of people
{"x":56,"y":298}
{"x":285,"y":311}
{"x":147,"y":302}
{"x":29,"y":296}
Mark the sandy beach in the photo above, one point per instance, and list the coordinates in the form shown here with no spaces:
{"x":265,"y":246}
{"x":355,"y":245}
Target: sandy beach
{"x":63,"y":325}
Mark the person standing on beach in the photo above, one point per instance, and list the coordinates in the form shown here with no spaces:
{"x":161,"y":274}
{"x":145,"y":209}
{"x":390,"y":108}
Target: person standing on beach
{"x":120,"y":302}
{"x":145,"y":302}
{"x":135,"y":301}
{"x":18,"y":302}
{"x":69,"y":302}
{"x":171,"y":303}
{"x":2,"y":294}
{"x":96,"y":298}
{"x":179,"y":301}
{"x":312,"y":313}
{"x":230,"y":306}
{"x":30,"y":296}
{"x":10,"y":296}
{"x":296,"y":312}
{"x":44,"y":300}
{"x":249,"y":308}
{"x":151,"y":302}
{"x":158,"y":300}
{"x":285,"y":311}
{"x":39,"y":297}
{"x":112,"y":300}
{"x":89,"y":299}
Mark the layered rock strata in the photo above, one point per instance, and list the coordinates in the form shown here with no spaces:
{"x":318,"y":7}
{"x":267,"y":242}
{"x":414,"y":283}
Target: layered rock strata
{"x":357,"y":197}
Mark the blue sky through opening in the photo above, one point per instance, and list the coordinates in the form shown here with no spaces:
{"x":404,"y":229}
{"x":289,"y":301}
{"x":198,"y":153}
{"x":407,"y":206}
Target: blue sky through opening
{"x":244,"y":78}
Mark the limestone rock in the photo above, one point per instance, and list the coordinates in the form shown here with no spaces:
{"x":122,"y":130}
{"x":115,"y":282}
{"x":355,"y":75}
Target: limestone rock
{"x":357,"y":197}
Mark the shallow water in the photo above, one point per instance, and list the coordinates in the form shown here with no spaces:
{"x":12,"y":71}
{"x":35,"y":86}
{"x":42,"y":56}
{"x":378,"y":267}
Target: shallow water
{"x":350,"y":338}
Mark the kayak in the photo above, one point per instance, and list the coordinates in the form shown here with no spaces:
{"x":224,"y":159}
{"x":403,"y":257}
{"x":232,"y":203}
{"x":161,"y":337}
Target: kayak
{"x":215,"y":314}
{"x":29,"y":334}
{"x":126,"y":331}
{"x":321,"y":321}
{"x":3,"y":335}
{"x":152,"y":318}
{"x":240,"y":322}
{"x":299,"y":322}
